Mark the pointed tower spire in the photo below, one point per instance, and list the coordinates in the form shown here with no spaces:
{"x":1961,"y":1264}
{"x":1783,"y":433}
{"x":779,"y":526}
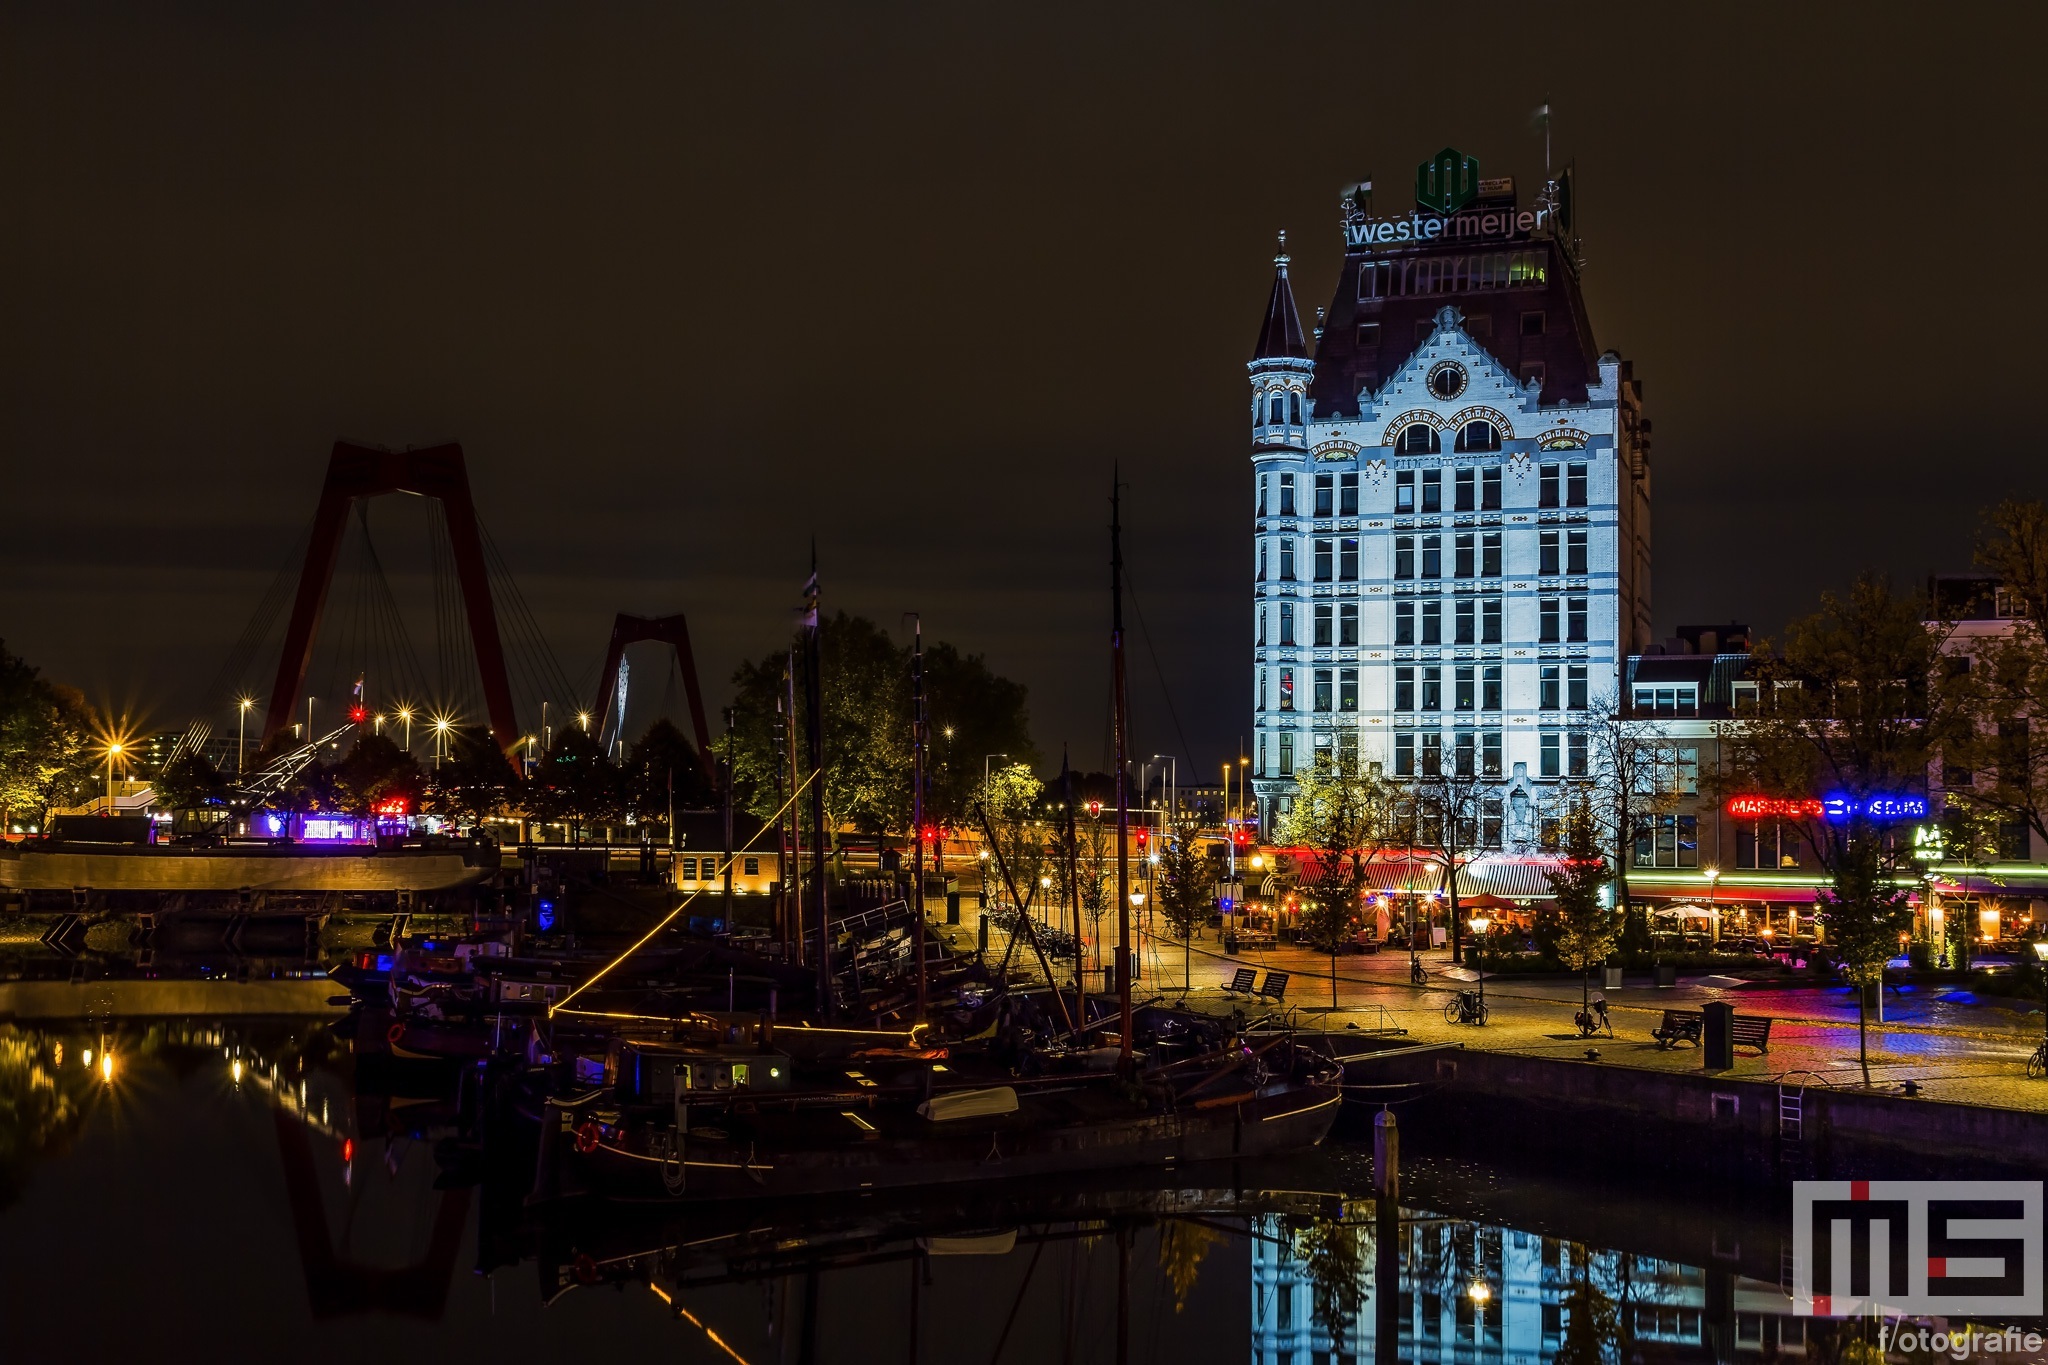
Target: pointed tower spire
{"x":1281,"y":337}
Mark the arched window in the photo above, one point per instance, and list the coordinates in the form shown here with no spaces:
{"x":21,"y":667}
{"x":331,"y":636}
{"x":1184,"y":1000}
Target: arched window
{"x":1277,"y":409}
{"x":1419,"y":438}
{"x":1294,"y":408}
{"x":1478,"y":436}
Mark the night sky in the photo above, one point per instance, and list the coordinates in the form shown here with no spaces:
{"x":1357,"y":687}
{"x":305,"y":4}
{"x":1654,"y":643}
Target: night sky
{"x":692,"y":284}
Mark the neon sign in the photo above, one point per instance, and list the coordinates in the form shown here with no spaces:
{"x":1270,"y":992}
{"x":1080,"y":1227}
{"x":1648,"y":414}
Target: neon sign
{"x":1774,"y":807}
{"x":1840,"y":807}
{"x":391,"y":805}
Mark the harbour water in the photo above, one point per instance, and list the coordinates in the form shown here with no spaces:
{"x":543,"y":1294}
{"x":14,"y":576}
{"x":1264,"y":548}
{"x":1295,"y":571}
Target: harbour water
{"x":241,"y":1192}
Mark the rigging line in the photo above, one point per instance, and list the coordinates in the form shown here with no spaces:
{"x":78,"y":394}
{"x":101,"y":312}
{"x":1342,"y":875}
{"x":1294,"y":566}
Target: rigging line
{"x":257,"y":628}
{"x":669,"y":918}
{"x":519,"y":603}
{"x":1165,"y":692}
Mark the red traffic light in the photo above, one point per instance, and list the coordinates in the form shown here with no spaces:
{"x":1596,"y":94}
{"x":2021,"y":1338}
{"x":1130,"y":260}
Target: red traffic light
{"x":1095,"y":808}
{"x":1144,"y":835}
{"x":1241,"y":836}
{"x":931,"y":833}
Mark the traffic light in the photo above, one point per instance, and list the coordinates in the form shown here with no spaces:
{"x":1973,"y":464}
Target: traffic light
{"x":1144,"y":836}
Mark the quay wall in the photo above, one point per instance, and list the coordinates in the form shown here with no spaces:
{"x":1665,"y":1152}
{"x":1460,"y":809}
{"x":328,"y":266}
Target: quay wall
{"x":1687,"y":1125}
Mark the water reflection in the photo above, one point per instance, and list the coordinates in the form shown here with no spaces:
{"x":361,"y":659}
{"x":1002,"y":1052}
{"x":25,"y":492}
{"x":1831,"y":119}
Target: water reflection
{"x":287,"y":1188}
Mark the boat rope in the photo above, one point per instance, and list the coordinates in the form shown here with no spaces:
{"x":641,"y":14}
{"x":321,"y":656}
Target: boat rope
{"x":696,"y":1322}
{"x":669,"y":918}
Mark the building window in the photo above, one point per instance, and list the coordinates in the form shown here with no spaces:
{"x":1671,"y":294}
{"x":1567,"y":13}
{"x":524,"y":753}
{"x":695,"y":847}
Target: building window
{"x":1347,"y":689}
{"x":1432,"y":490}
{"x":1258,"y":689}
{"x":1322,"y":625}
{"x":1465,"y":492}
{"x":1404,"y":623}
{"x":1286,"y":495}
{"x":1275,"y":406}
{"x":1286,"y":561}
{"x":750,"y":867}
{"x":1575,"y":484}
{"x":1489,"y":621}
{"x":1262,"y":561}
{"x":1490,"y":756}
{"x":1464,"y":554}
{"x":1546,"y":486}
{"x":1576,"y":762}
{"x":1478,"y":436}
{"x":1404,"y":557}
{"x":1765,"y":846}
{"x":1467,"y":621}
{"x":1347,"y":559}
{"x":1347,"y":495}
{"x":1489,"y":554}
{"x":1685,"y":769}
{"x":1368,"y":332}
{"x":1404,"y":755}
{"x":1468,"y":759}
{"x":1549,"y":688}
{"x":1432,"y":556}
{"x":1668,"y":841}
{"x":1286,"y":753}
{"x":1294,"y":408}
{"x":1546,"y":621}
{"x":1404,"y":687}
{"x":689,"y":869}
{"x":1432,"y":622}
{"x":1432,"y":755}
{"x":1419,"y":438}
{"x":1347,"y":624}
{"x":1551,"y":760}
{"x":1744,"y":697}
{"x":1259,"y":618}
{"x":1287,"y":623}
{"x":1575,"y":620}
{"x":1532,"y":324}
{"x":1286,"y":689}
{"x":1489,"y":488}
{"x":1575,"y":552}
{"x":1464,"y":688}
{"x":1264,"y":479}
{"x":1489,"y":687}
{"x":1432,"y":688}
{"x":1681,"y":699}
{"x":1546,"y":554}
{"x":1326,"y":495}
{"x":1325,"y":561}
{"x":1322,"y":689}
{"x":1575,"y":687}
{"x":1404,"y":490}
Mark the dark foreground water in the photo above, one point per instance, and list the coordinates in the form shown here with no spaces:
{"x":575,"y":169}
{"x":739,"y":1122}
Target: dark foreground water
{"x":237,"y":1191}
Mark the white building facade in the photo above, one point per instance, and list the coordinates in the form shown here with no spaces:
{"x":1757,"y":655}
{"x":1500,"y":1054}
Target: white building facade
{"x":1450,"y":499}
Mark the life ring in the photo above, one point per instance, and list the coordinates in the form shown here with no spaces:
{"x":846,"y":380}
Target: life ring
{"x":586,"y":1138}
{"x":395,"y":1032}
{"x":584,"y":1269}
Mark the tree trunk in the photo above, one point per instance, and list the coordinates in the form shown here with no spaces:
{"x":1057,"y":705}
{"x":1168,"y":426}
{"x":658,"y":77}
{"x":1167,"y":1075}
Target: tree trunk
{"x":1863,"y":1031}
{"x":1333,"y":978}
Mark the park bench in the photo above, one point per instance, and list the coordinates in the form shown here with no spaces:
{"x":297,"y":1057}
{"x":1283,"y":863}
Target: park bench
{"x":1242,"y":983}
{"x":1275,"y":988}
{"x":1752,"y":1030}
{"x":1680,"y":1026}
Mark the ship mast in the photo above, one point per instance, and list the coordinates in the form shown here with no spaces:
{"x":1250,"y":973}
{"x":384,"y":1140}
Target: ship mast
{"x":1123,"y":799}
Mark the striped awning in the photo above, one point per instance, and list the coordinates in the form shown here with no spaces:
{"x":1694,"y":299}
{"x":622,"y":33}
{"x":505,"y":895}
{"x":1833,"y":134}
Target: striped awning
{"x":1513,"y":879}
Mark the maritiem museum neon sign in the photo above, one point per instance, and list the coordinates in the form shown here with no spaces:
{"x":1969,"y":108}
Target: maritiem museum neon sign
{"x":1836,"y":808}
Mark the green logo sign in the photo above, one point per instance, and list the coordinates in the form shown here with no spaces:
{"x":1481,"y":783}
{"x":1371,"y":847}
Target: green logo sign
{"x":1446,"y":182}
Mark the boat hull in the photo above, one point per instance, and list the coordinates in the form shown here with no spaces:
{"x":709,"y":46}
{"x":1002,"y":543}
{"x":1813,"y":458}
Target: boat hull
{"x":180,"y":870}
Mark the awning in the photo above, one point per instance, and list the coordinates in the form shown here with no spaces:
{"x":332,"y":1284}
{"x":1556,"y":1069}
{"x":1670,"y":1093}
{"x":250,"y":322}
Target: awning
{"x":1510,"y":879}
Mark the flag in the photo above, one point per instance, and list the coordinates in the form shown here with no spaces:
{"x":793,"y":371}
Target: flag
{"x":1541,"y":118}
{"x":359,"y":687}
{"x":810,"y":610}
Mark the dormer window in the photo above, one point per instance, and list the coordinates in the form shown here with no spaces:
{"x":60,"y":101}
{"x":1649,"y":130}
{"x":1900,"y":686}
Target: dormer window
{"x":1478,"y":436}
{"x":1419,"y":438}
{"x":1294,"y":408}
{"x":1278,"y":410}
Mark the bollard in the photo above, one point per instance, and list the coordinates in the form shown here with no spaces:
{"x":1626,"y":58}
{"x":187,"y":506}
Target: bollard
{"x":1386,"y":1157}
{"x":1717,"y":1041}
{"x":1386,"y":1274}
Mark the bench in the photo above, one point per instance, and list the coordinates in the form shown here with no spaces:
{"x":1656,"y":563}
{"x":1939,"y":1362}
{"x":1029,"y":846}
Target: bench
{"x":1275,"y":988}
{"x":1242,"y":983}
{"x":1680,"y":1026}
{"x":1689,"y":1026}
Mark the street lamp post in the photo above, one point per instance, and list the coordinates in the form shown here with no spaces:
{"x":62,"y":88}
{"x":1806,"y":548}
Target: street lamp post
{"x":113,"y":752}
{"x":440,"y":740}
{"x":1713,"y":875}
{"x":1480,"y":924}
{"x":405,"y":714}
{"x":242,"y":733}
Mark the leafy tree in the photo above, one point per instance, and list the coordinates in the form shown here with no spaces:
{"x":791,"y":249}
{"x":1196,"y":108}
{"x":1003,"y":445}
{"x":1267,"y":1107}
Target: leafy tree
{"x":2004,"y":748}
{"x":971,"y":711}
{"x":44,"y":730}
{"x":1333,"y":1256}
{"x":1342,"y":815}
{"x":375,"y":770}
{"x":1631,"y":781}
{"x":189,"y":782}
{"x":1023,"y":830}
{"x":1592,"y":1326}
{"x":575,"y":784}
{"x":1860,"y":703}
{"x":1442,"y":813}
{"x":1586,"y":929}
{"x":1186,"y":890}
{"x":663,"y":773}
{"x":474,"y":782}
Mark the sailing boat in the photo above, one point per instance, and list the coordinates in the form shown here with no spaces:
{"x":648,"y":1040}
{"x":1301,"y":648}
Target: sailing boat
{"x":713,"y":1110}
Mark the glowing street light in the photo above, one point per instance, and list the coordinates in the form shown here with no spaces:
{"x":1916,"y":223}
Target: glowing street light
{"x":114,"y":751}
{"x":242,"y":730}
{"x":441,"y":724}
{"x":1480,"y":924}
{"x":405,"y":714}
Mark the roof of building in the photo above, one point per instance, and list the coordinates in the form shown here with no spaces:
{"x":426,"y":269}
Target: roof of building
{"x":1280,"y":337}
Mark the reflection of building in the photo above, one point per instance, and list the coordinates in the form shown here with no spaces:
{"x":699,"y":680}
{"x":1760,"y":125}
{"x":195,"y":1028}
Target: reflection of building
{"x":1526,"y":1284}
{"x":1450,"y":498}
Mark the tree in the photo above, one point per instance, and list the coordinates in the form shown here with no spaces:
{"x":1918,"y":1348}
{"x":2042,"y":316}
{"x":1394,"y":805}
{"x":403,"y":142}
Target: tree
{"x":1017,"y":818}
{"x":1186,"y":890}
{"x":473,"y":783}
{"x":44,"y":730}
{"x":574,"y":783}
{"x":1341,"y":817}
{"x":663,"y":773}
{"x":1587,"y":929}
{"x":1444,"y":812}
{"x":189,"y":782}
{"x":1631,"y":777}
{"x":375,"y":771}
{"x":1858,"y":703}
{"x":1998,"y":763}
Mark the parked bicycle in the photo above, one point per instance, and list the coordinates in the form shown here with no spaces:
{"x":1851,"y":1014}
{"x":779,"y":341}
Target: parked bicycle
{"x":1416,"y":974}
{"x":2037,"y":1065}
{"x":1468,"y":1008}
{"x":1594,"y":1020}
